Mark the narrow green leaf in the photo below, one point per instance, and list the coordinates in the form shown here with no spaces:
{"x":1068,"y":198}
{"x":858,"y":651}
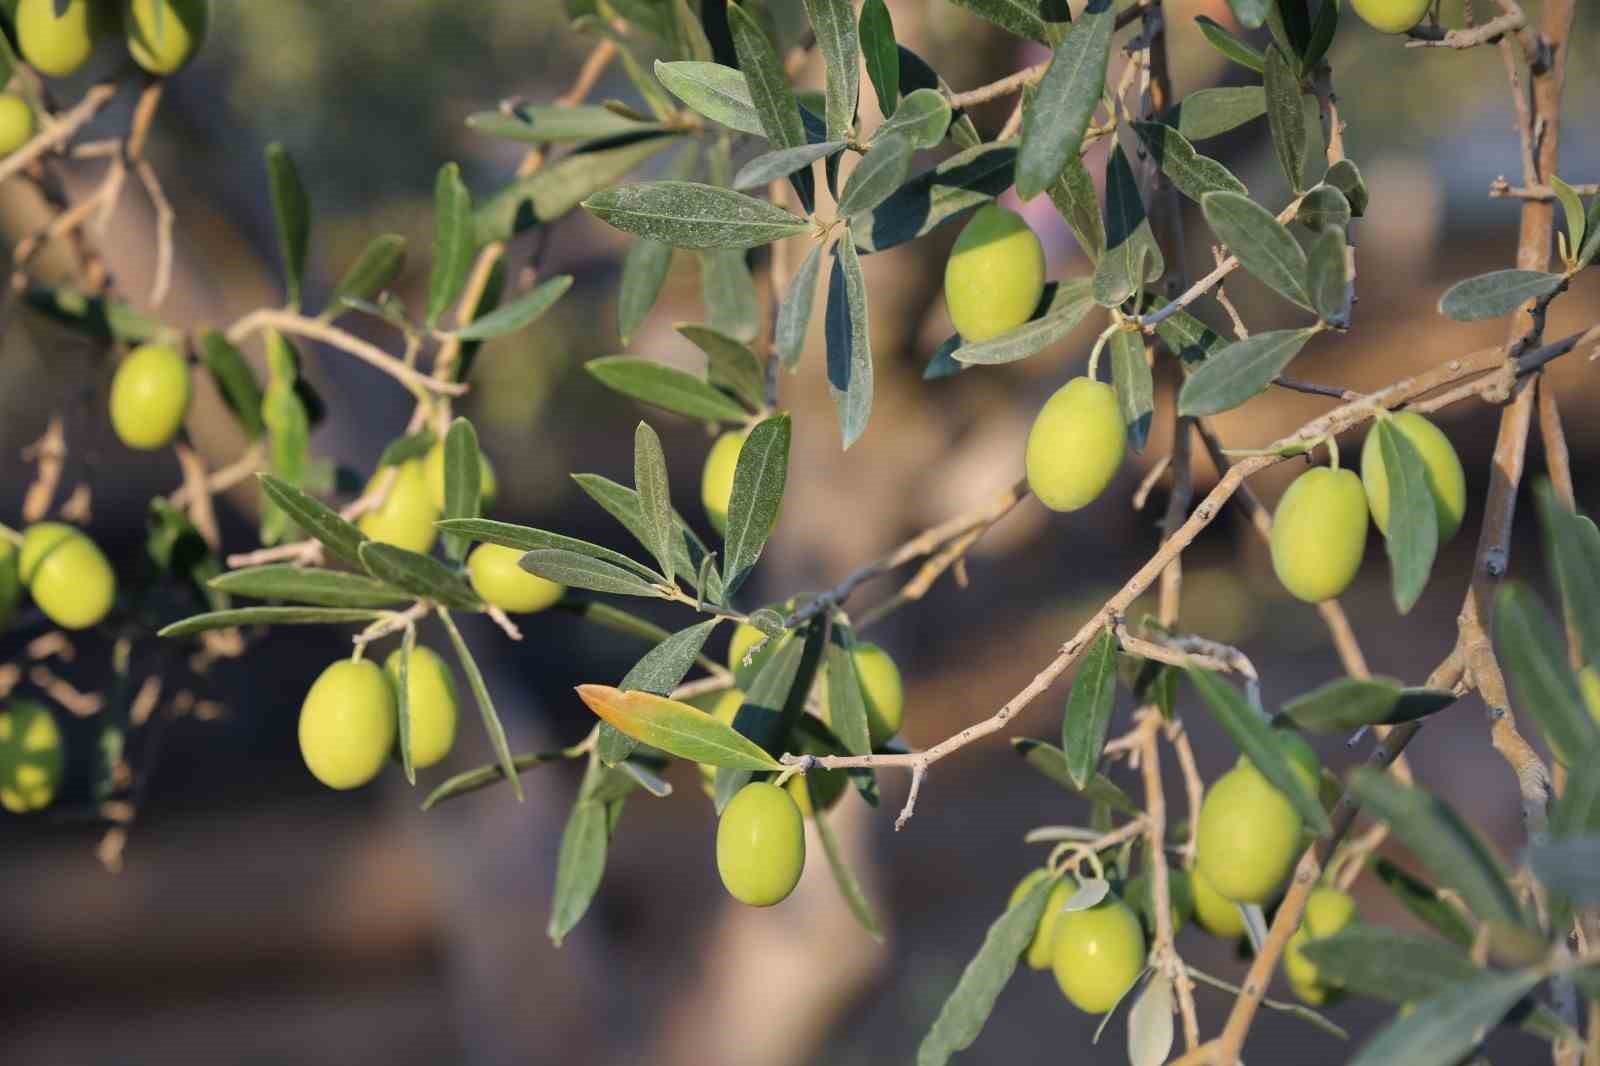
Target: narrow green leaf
{"x":963,"y":1014}
{"x":730,"y":364}
{"x":1323,"y":208}
{"x":1446,"y":846}
{"x":1075,"y":198}
{"x":1150,"y":1028}
{"x":1322,"y":34}
{"x":1572,"y":555}
{"x":1327,"y":279}
{"x":528,"y":539}
{"x":1577,"y":810}
{"x":480,"y":694}
{"x":307,"y":584}
{"x":1254,"y":737}
{"x":1349,"y":703}
{"x":482,"y":777}
{"x":644,"y":272}
{"x":268,"y":616}
{"x":687,"y":214}
{"x":849,"y":343}
{"x":774,"y":704}
{"x":1572,"y":209}
{"x":1188,"y":338}
{"x":1051,"y":761}
{"x":463,"y":489}
{"x":1346,"y":177}
{"x":1055,"y":118}
{"x":1238,"y":371}
{"x":794,"y":314}
{"x":380,"y":264}
{"x":1263,"y":245}
{"x":759,"y":478}
{"x":406,"y":449}
{"x":235,"y":381}
{"x":517,"y":314}
{"x":316,"y":518}
{"x":1021,"y":17}
{"x":1286,"y":117}
{"x":676,"y":728}
{"x":556,"y":188}
{"x":421,"y":575}
{"x":583,"y":571}
{"x":1570,"y":867}
{"x":837,"y":39}
{"x":882,"y":55}
{"x":580,"y":865}
{"x":687,"y":31}
{"x":1063,"y":307}
{"x":1424,"y":903}
{"x":937,"y":196}
{"x":1192,"y":173}
{"x":455,"y":241}
{"x":622,"y":503}
{"x":721,"y":94}
{"x":1230,"y":46}
{"x":660,"y":671}
{"x":881,"y":171}
{"x":1495,"y":294}
{"x":1535,"y":659}
{"x":1132,"y":255}
{"x":728,"y":291}
{"x":768,"y":88}
{"x":665,"y":387}
{"x":1443,"y":1030}
{"x":1207,"y":113}
{"x":923,"y":118}
{"x":1390,"y":966}
{"x":1134,"y":381}
{"x":532,"y":124}
{"x":1413,"y":534}
{"x":1089,"y":706}
{"x":847,"y":710}
{"x":291,"y":210}
{"x":402,"y":700}
{"x":849,"y":887}
{"x":771,"y":166}
{"x":655,"y":495}
{"x":942,"y":363}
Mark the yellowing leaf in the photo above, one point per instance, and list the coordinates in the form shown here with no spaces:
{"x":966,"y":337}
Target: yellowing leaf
{"x":675,"y":728}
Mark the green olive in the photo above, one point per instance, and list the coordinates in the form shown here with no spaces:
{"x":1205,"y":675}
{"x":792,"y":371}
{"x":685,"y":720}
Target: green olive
{"x":1391,"y":16}
{"x":32,"y":758}
{"x":1319,"y":533}
{"x":497,"y":574}
{"x":716,"y":483}
{"x":16,"y":123}
{"x":407,"y":516}
{"x":162,"y":45}
{"x":1215,"y":913}
{"x":58,"y":46}
{"x":1589,"y":685}
{"x":67,"y":575}
{"x":1140,"y":894}
{"x":1446,"y":481}
{"x":433,"y":467}
{"x":1039,"y":955}
{"x":149,"y":397}
{"x":432,"y":704}
{"x":1327,"y":911}
{"x":1248,"y":836}
{"x":995,"y":275}
{"x":1098,"y":954}
{"x":761,"y":845}
{"x":1076,"y":445}
{"x":882,"y":690}
{"x":348,"y":724}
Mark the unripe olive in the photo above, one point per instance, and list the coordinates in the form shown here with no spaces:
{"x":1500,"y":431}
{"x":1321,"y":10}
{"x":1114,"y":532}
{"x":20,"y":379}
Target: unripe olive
{"x":1391,"y":16}
{"x":1589,"y":685}
{"x":58,"y":46}
{"x":32,"y":758}
{"x":407,"y":515}
{"x":1216,"y":914}
{"x":1098,"y":954}
{"x":500,"y":579}
{"x":995,"y":275}
{"x":1039,"y":954}
{"x":149,"y":397}
{"x":432,"y":704}
{"x":1446,"y":481}
{"x":882,"y":690}
{"x":1140,"y":894}
{"x":433,"y":468}
{"x":745,"y":637}
{"x":716,"y":482}
{"x":1076,"y":445}
{"x":10,"y":582}
{"x":66,"y":574}
{"x":1248,"y":836}
{"x":348,"y":724}
{"x":161,"y":47}
{"x":1328,"y":910}
{"x":1319,"y":533}
{"x":761,"y":845}
{"x":16,"y":123}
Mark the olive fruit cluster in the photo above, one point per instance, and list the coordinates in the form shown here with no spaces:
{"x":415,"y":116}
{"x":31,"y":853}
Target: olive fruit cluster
{"x":1096,"y":953}
{"x":161,"y":35}
{"x":1328,"y":910}
{"x":1319,"y":531}
{"x":64,"y":571}
{"x":32,"y":758}
{"x":349,"y":722}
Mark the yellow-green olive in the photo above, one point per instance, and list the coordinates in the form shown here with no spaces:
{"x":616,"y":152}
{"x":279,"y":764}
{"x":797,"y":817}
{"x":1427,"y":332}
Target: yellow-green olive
{"x":1319,"y":533}
{"x":32,"y":758}
{"x":995,"y":275}
{"x":1589,"y":685}
{"x":1076,"y":445}
{"x":882,"y":690}
{"x":716,"y":482}
{"x":1391,"y":16}
{"x":161,"y":44}
{"x":432,"y":704}
{"x":54,"y":45}
{"x":433,"y":468}
{"x":1248,"y":836}
{"x":1215,"y":913}
{"x":407,"y":515}
{"x":745,"y":638}
{"x":16,"y":123}
{"x":68,"y":577}
{"x":1038,"y":956}
{"x":1328,"y":910}
{"x":348,"y":724}
{"x":1098,"y":954}
{"x":149,"y":397}
{"x":1446,"y":481}
{"x":761,"y":845}
{"x":498,"y":576}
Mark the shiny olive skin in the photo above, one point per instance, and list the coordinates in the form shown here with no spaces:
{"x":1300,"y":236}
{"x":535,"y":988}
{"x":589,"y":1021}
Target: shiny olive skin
{"x":1248,"y":836}
{"x":163,"y":46}
{"x":407,"y":515}
{"x":348,"y":724}
{"x":497,"y":574}
{"x":1216,"y":914}
{"x":882,"y":690}
{"x":434,"y":710}
{"x":32,"y":757}
{"x":761,"y":845}
{"x":16,"y":123}
{"x":995,"y":275}
{"x":68,"y":577}
{"x":433,"y":469}
{"x":58,"y":46}
{"x":1098,"y":954}
{"x":1391,"y":16}
{"x":1447,"y":482}
{"x":1076,"y":445}
{"x":716,"y":481}
{"x":1328,"y":910}
{"x":1319,"y":533}
{"x":1038,"y":955}
{"x":150,"y":397}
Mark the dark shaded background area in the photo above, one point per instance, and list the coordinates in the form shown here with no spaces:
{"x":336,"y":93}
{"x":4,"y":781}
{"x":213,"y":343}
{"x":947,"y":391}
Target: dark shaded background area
{"x":262,"y":919}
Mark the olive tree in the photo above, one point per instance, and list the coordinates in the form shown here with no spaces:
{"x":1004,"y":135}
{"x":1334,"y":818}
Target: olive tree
{"x":718,"y":154}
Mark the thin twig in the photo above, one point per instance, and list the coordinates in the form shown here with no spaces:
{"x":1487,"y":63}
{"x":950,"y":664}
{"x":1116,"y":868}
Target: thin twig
{"x":301,"y":326}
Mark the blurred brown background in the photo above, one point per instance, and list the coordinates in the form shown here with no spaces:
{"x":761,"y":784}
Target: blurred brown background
{"x":263,"y":919}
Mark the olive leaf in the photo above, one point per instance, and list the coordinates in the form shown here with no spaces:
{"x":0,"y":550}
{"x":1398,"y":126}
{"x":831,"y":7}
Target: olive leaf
{"x":1413,"y":534}
{"x":675,"y":728}
{"x":1286,"y":116}
{"x":1495,"y":294}
{"x":1350,"y":703}
{"x":688,"y":214}
{"x":665,"y":387}
{"x":1234,"y":373}
{"x":455,"y":241}
{"x":720,"y":93}
{"x":849,"y":343}
{"x":1089,"y":706}
{"x":268,"y":616}
{"x":1056,"y":116}
{"x":291,"y":211}
{"x":1262,"y":244}
{"x":1061,"y":309}
{"x":934,"y":197}
{"x":1536,"y":661}
{"x":309,"y":585}
{"x":759,"y":478}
